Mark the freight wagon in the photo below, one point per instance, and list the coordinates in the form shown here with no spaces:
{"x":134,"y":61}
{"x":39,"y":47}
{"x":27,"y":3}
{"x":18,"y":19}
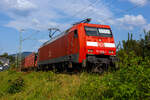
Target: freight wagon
{"x":29,"y":62}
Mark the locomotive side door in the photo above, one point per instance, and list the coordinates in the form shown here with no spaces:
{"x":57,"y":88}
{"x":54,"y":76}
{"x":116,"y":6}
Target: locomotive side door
{"x":73,"y":46}
{"x":69,"y":42}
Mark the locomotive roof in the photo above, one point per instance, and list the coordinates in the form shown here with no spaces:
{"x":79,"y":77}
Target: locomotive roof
{"x":65,"y":32}
{"x":55,"y":38}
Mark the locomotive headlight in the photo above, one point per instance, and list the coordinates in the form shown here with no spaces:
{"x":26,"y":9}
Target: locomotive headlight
{"x":90,"y":50}
{"x":111,"y":51}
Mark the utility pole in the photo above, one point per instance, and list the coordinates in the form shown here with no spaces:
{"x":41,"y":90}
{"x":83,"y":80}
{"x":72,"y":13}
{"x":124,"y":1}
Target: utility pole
{"x":21,"y":40}
{"x":20,"y":47}
{"x":16,"y":59}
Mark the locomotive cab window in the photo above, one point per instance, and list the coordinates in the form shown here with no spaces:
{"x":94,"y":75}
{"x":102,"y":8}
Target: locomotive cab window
{"x":103,"y":32}
{"x":91,"y":31}
{"x":75,"y":33}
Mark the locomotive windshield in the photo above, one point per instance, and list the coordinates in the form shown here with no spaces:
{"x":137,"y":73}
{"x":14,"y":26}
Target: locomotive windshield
{"x":103,"y":32}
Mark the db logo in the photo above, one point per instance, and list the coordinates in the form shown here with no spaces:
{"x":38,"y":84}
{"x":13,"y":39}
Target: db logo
{"x":101,"y":44}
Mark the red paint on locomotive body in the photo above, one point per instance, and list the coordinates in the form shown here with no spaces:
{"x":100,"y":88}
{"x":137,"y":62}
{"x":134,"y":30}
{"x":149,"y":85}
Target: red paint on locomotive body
{"x":75,"y":44}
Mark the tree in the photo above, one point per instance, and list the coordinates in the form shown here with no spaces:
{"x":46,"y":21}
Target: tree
{"x":1,"y":63}
{"x":139,"y":47}
{"x":4,"y":55}
{"x":11,"y":58}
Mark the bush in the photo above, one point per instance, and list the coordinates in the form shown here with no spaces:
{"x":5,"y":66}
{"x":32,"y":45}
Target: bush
{"x":16,"y":86}
{"x":130,"y":82}
{"x":1,"y":63}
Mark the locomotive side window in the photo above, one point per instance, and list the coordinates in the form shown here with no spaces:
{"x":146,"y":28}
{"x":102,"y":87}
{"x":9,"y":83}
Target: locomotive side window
{"x":93,"y":31}
{"x":75,"y":33}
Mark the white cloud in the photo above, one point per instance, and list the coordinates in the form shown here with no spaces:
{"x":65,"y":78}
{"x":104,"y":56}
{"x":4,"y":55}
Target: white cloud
{"x":42,"y":14}
{"x":21,"y":4}
{"x":139,"y":2}
{"x":21,"y":7}
{"x":147,"y":27}
{"x":18,"y":4}
{"x":130,"y":21}
{"x":30,"y":23}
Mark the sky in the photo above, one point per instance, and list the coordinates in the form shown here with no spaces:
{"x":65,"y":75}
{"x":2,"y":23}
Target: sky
{"x":36,"y":16}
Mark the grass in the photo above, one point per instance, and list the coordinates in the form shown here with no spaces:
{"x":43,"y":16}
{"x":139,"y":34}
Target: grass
{"x":41,"y":85}
{"x":130,"y":82}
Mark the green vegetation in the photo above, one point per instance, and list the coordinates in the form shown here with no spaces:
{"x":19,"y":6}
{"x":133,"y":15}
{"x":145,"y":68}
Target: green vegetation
{"x":16,"y":86}
{"x":131,"y":81}
{"x":11,"y":58}
{"x":39,"y":85}
{"x":1,"y":63}
{"x":140,"y":47}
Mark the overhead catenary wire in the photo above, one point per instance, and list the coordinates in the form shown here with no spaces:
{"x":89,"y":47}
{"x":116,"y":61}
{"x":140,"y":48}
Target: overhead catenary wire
{"x":83,"y":9}
{"x":120,"y":13}
{"x":29,"y":37}
{"x":95,"y":2}
{"x":21,"y":40}
{"x":123,"y":11}
{"x":36,"y":40}
{"x":92,"y":5}
{"x":107,"y":17}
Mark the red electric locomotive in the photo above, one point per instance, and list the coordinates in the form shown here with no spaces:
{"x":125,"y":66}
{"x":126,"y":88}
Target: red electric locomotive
{"x":89,"y":45}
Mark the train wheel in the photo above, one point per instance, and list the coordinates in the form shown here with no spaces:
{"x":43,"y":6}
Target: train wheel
{"x":97,"y":69}
{"x":64,"y":68}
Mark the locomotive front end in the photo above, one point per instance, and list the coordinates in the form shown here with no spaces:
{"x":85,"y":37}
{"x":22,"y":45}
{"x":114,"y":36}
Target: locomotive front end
{"x":100,"y":45}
